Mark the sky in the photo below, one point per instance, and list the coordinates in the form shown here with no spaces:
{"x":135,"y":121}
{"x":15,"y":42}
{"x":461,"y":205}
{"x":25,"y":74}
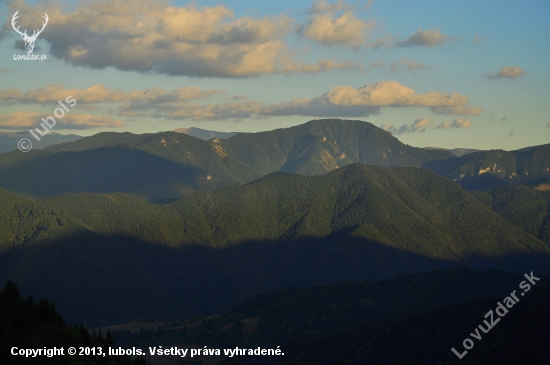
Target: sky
{"x":434,"y":73}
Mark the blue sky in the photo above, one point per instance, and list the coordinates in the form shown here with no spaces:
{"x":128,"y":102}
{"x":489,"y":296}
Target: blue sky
{"x":435,"y":73}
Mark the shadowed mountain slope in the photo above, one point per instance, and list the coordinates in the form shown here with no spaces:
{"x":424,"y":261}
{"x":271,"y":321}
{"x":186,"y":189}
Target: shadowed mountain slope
{"x":122,"y":258}
{"x":408,"y":208}
{"x":156,"y":167}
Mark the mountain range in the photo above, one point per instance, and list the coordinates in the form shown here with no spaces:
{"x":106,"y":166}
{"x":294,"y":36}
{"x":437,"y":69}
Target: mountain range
{"x":119,"y":226}
{"x":164,"y":166}
{"x":456,"y":151}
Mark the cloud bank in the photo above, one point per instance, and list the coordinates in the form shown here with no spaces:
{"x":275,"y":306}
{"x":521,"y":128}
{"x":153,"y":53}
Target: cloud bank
{"x":22,"y":120}
{"x":99,"y":93}
{"x":340,"y":101}
{"x":183,"y":103}
{"x":156,"y":36}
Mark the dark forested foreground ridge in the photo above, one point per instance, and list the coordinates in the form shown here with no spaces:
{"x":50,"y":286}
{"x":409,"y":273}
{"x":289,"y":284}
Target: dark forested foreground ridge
{"x":210,"y":250}
{"x":164,"y":166}
{"x":411,"y":319}
{"x":279,"y":315}
{"x":29,"y":324}
{"x":520,"y":337}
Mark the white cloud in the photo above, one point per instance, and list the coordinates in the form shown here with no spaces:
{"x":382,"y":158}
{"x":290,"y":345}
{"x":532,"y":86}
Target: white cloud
{"x":340,"y":101}
{"x":22,"y":120}
{"x":457,"y":123}
{"x":99,"y":93}
{"x":509,"y":72}
{"x":157,"y":36}
{"x":344,"y":30}
{"x":429,"y":37}
{"x":390,"y":93}
{"x":423,"y":124}
{"x":419,"y":125}
{"x":456,"y":110}
{"x":346,"y":101}
{"x":290,"y":66}
{"x":223,"y":111}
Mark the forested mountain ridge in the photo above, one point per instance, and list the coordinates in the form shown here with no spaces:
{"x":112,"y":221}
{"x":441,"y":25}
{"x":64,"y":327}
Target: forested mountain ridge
{"x":313,"y":148}
{"x":209,"y":250}
{"x":156,"y":167}
{"x":489,"y":169}
{"x":164,"y":166}
{"x":406,"y":208}
{"x":24,"y":221}
{"x":320,"y":146}
{"x":523,"y":206}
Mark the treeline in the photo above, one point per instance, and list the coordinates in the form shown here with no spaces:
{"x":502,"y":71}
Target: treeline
{"x":30,"y":324}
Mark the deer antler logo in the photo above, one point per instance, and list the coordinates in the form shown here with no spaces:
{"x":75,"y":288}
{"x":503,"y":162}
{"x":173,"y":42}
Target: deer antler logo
{"x":29,"y":41}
